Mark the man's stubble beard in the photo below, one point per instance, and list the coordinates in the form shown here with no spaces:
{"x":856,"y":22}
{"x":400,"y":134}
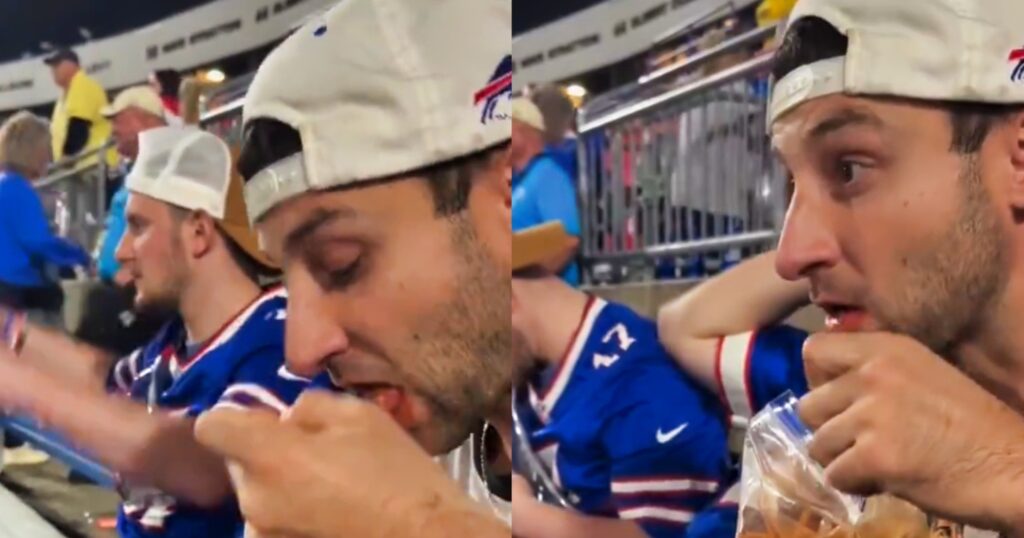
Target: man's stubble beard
{"x":168,"y":302}
{"x":955,"y":282}
{"x":468,"y":365}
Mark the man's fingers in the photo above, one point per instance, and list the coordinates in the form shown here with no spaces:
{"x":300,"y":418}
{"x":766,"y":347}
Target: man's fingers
{"x":836,"y":436}
{"x":316,"y":410}
{"x":828,"y":400}
{"x":850,"y":473}
{"x":237,"y":434}
{"x":830,"y":355}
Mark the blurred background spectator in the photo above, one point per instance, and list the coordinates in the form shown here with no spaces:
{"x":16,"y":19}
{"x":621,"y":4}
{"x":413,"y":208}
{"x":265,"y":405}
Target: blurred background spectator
{"x":167,"y":84}
{"x":559,"y":125}
{"x":77,"y":125}
{"x":542,"y":190}
{"x":135,"y":110}
{"x":26,"y":242}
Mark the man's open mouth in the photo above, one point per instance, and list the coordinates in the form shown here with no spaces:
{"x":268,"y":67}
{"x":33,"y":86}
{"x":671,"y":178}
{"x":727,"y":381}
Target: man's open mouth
{"x":840,"y":317}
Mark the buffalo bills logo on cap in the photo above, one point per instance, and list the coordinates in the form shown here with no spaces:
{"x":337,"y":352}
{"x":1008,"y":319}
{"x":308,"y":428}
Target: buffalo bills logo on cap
{"x":1018,"y":72}
{"x":498,"y":86}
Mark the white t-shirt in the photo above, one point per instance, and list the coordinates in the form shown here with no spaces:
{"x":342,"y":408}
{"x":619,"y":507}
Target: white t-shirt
{"x":459,"y":464}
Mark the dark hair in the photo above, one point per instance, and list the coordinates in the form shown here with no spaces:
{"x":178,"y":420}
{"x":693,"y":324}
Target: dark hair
{"x":811,"y":39}
{"x":252,"y":269}
{"x":169,"y":80}
{"x":267,"y":141}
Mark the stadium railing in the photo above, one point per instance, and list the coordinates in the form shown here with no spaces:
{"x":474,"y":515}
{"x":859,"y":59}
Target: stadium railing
{"x":75,"y":196}
{"x":677,"y":179}
{"x":54,"y":445}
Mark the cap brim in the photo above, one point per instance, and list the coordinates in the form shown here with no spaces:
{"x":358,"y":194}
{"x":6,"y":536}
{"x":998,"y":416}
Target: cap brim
{"x":242,"y":236}
{"x":51,"y":61}
{"x":109,"y":111}
{"x":532,"y":246}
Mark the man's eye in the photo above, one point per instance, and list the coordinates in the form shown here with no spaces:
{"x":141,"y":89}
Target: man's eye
{"x":343,"y":277}
{"x":850,"y":171}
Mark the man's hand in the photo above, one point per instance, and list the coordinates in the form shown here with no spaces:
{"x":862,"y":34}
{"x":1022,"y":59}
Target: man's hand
{"x":891,"y":416}
{"x":13,"y":376}
{"x":523,"y":503}
{"x":336,"y":466}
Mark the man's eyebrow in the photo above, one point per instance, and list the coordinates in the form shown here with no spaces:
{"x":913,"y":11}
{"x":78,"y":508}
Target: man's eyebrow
{"x":318,"y":219}
{"x":844,"y":118}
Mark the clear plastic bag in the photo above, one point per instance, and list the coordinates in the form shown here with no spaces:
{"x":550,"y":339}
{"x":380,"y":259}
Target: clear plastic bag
{"x":785,"y":495}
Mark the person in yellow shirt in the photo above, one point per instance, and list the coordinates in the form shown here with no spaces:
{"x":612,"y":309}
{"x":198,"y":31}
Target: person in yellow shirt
{"x":770,"y":12}
{"x":77,"y":125}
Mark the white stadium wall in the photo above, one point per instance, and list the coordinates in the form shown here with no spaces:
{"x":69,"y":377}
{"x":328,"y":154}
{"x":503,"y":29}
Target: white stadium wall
{"x":602,"y":35}
{"x":192,"y":38}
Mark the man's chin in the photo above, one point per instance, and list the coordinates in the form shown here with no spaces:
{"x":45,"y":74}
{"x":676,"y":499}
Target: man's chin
{"x":145,"y":305}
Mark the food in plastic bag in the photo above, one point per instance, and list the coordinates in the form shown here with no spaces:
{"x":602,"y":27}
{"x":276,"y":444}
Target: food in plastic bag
{"x":785,"y":495}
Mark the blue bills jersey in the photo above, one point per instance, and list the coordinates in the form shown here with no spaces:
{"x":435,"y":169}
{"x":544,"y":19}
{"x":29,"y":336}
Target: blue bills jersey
{"x":621,"y":430}
{"x":752,"y":369}
{"x":242,"y":365}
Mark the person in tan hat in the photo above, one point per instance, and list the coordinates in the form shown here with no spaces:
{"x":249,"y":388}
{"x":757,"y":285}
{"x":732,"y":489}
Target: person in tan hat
{"x":542,"y":190}
{"x":190,"y":251}
{"x":133,"y":111}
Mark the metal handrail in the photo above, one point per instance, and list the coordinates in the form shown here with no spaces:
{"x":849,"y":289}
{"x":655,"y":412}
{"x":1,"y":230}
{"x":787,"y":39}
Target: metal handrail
{"x":694,"y":247}
{"x":58,"y":448}
{"x":58,"y":177}
{"x":708,"y":17}
{"x":65,"y":168}
{"x":723,"y":77}
{"x":724,"y":47}
{"x":606,"y":102}
{"x":71,"y":159}
{"x":222,"y":111}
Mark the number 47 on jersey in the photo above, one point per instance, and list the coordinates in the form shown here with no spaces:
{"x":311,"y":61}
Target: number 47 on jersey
{"x":624,"y":340}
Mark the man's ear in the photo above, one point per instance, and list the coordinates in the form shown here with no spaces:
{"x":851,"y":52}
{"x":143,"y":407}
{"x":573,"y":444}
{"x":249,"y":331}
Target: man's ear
{"x":200,"y":234}
{"x":1015,"y":145}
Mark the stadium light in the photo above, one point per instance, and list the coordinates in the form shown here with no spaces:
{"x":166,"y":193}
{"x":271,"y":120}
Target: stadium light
{"x":576,"y":91}
{"x":215,"y":76}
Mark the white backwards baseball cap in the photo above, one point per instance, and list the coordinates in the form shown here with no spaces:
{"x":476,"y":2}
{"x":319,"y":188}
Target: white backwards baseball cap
{"x":192,"y":169}
{"x":377,"y":88}
{"x":937,"y":50}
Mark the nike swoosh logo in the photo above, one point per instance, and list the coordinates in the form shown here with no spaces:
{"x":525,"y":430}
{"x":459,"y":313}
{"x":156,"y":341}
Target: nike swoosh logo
{"x":284,"y":373}
{"x":664,"y":437}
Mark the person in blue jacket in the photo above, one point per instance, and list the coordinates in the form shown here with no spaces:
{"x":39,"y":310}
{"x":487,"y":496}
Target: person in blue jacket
{"x":542,"y":191}
{"x":27,"y":244}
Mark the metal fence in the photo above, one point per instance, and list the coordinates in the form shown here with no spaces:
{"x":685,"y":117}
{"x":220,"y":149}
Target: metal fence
{"x":683,"y":183}
{"x":75,"y":196}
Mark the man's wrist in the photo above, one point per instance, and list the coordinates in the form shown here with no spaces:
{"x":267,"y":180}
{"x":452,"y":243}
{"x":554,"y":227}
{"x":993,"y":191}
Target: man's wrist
{"x":464,"y":520}
{"x":1010,"y":515}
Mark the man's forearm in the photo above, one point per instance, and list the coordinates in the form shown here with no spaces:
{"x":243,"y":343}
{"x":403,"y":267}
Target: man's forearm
{"x":60,"y":355}
{"x":151,"y":449}
{"x":746,"y":297}
{"x":459,"y":523}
